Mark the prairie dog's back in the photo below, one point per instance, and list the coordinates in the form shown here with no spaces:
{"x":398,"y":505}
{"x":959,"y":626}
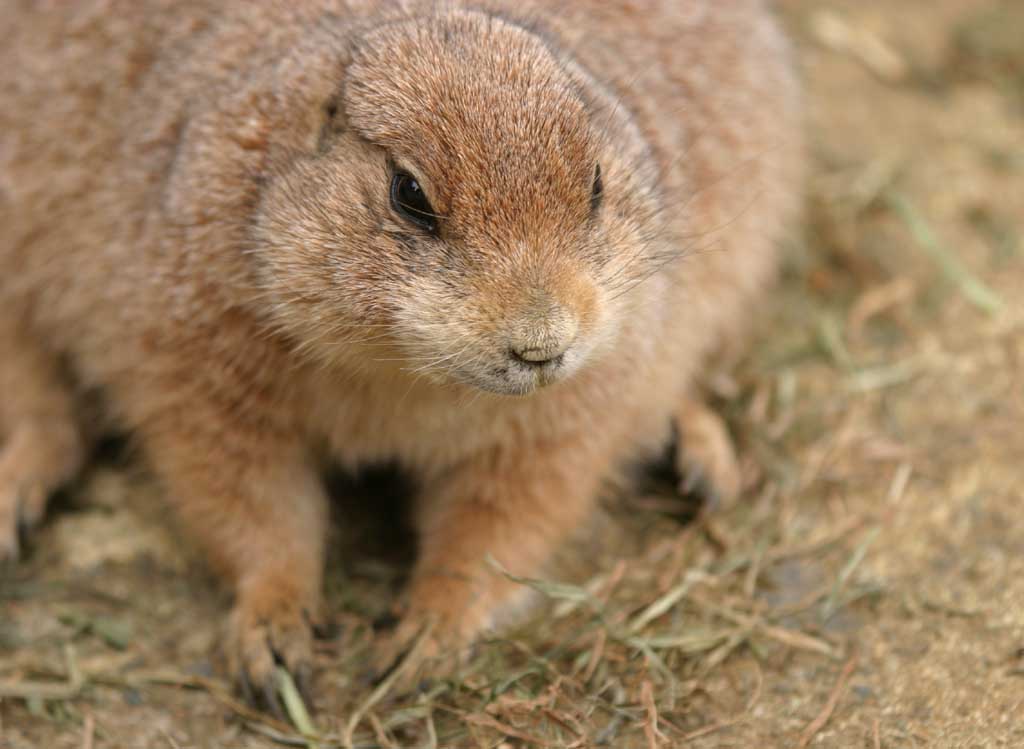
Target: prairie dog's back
{"x":96,"y":99}
{"x":83,"y":148}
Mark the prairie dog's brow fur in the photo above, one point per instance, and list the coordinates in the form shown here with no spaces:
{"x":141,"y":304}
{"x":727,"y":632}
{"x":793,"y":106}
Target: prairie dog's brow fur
{"x":206,"y":214}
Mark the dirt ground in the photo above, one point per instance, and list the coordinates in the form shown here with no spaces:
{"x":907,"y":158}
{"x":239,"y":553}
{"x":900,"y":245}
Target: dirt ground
{"x":869,"y":591}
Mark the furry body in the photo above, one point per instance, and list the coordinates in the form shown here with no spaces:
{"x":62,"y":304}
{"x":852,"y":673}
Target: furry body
{"x":195,"y":220}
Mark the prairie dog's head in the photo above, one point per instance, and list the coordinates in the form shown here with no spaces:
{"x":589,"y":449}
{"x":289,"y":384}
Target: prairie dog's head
{"x":471,"y":213}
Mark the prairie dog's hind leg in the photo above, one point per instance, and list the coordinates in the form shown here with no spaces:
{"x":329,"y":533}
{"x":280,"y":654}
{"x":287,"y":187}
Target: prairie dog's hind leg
{"x":41,"y":447}
{"x":705,"y":457}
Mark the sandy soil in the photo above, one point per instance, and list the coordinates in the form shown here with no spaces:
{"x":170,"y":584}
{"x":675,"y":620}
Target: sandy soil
{"x":869,"y":592}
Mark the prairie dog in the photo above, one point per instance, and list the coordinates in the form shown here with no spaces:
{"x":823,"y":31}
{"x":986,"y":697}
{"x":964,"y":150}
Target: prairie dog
{"x":493,"y":241}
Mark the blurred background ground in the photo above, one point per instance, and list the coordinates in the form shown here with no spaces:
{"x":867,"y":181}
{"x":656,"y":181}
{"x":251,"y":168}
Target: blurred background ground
{"x":868,"y":593}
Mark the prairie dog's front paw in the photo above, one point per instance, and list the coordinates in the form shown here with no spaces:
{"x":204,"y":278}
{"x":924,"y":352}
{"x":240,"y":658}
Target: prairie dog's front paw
{"x":435,"y":634}
{"x":34,"y":461}
{"x":421,"y":646}
{"x":264,"y":632}
{"x":21,"y":509}
{"x":705,"y":458}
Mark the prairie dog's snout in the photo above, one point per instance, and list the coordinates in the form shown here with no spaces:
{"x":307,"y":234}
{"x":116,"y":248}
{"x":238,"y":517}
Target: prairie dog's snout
{"x":533,"y":318}
{"x":544,"y":334}
{"x":541,"y":341}
{"x":514,"y":337}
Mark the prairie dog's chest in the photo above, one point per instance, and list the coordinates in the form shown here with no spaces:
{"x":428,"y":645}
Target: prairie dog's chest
{"x":370,"y":420}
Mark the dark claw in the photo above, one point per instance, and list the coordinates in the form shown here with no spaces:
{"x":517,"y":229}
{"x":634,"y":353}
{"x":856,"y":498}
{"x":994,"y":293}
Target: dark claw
{"x":696,"y":484}
{"x":21,"y":541}
{"x":329,"y":629}
{"x":709,"y":496}
{"x":271,"y":703}
{"x":304,"y":683}
{"x":384,"y":622}
{"x":11,"y":550}
{"x":377,"y":678}
{"x":245,"y":687}
{"x":693,"y":480}
{"x":14,"y":550}
{"x":366,"y":677}
{"x":712,"y":499}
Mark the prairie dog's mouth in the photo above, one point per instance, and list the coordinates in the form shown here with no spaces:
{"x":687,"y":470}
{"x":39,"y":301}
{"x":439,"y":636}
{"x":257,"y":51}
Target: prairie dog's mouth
{"x":516,"y":376}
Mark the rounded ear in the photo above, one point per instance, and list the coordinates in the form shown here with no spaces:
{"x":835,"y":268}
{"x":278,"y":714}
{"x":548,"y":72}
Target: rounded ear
{"x":307,"y":85}
{"x":236,"y":142}
{"x":334,"y":121}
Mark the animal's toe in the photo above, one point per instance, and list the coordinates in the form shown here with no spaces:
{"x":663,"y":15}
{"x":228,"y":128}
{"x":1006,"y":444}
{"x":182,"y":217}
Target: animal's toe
{"x":10,"y":527}
{"x":706,"y":460}
{"x":717,"y":486}
{"x":420,"y":648}
{"x":260,"y":644}
{"x":31,"y":506}
{"x":10,"y":548}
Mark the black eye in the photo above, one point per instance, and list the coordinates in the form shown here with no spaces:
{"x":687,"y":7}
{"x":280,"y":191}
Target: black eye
{"x":597,"y":191}
{"x":410,"y":202}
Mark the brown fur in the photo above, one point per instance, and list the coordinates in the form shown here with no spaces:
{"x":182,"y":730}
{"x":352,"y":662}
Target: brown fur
{"x":194,"y":202}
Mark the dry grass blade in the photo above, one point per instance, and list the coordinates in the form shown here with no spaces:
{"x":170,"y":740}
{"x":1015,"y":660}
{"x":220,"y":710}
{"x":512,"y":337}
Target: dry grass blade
{"x":899,"y":483}
{"x":595,"y":655}
{"x":690,"y":643}
{"x":88,"y":731}
{"x":653,"y":660}
{"x":833,"y":699}
{"x":791,"y":638}
{"x":880,"y":378}
{"x":431,"y":731}
{"x":831,"y":604}
{"x":38,"y":690}
{"x":380,"y":732}
{"x":487,"y":721}
{"x":47,"y":691}
{"x":723,"y":651}
{"x":839,"y":34}
{"x":877,"y":300}
{"x":973,"y":289}
{"x":295,"y":707}
{"x":598,"y":589}
{"x":797,"y":640}
{"x":278,"y":737}
{"x":553,"y":590}
{"x":661,"y":606}
{"x":707,"y":730}
{"x":653,"y":734}
{"x":830,"y":339}
{"x":784,"y":552}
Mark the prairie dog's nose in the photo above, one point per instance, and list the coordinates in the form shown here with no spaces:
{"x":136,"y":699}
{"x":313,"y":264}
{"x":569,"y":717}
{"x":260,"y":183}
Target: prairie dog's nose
{"x":538,"y":357}
{"x":544,"y":340}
